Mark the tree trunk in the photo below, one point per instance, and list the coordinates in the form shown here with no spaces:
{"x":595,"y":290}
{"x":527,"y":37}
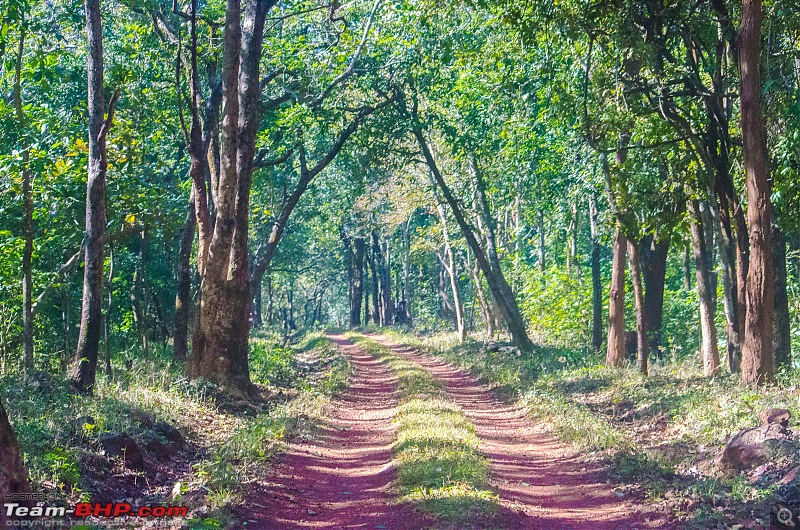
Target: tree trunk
{"x":498,"y":286}
{"x":727,"y":254}
{"x":540,"y":219}
{"x":709,"y":347}
{"x":687,"y":269}
{"x":220,"y":340}
{"x":184,"y":281}
{"x":642,"y":343}
{"x":84,"y":369}
{"x":357,"y":287}
{"x":407,"y":269}
{"x":782,"y":334}
{"x":597,"y":285}
{"x":109,"y":309}
{"x":27,"y":198}
{"x":654,"y":270}
{"x":449,"y":264}
{"x":615,"y":351}
{"x":13,"y":475}
{"x":139,"y":296}
{"x":486,"y":312}
{"x":757,"y":356}
{"x":376,"y":305}
{"x":383,"y":280}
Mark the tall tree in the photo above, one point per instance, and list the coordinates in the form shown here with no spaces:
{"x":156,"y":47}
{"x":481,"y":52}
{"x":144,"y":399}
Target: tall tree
{"x":757,"y":357}
{"x":84,"y":368}
{"x":13,"y":475}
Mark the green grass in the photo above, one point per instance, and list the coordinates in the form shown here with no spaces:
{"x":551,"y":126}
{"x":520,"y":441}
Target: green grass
{"x":59,"y":431}
{"x":658,"y":434}
{"x":439,"y":467}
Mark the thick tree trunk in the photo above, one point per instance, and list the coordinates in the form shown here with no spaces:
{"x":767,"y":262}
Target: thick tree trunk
{"x":757,"y":356}
{"x":84,"y":369}
{"x":642,"y":343}
{"x":597,"y":282}
{"x":709,"y":347}
{"x":220,"y":340}
{"x":184,"y":281}
{"x":654,"y":270}
{"x":782,"y":333}
{"x":27,"y":199}
{"x":13,"y":475}
{"x":615,"y":351}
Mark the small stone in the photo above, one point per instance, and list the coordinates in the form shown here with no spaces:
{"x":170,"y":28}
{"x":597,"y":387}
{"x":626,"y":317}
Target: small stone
{"x":169,"y":432}
{"x":122,"y":445}
{"x":311,"y":512}
{"x":773,"y":415}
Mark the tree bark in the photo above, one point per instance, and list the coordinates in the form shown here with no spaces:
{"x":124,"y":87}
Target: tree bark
{"x":709,"y":347}
{"x":220,"y":340}
{"x":727,"y":256}
{"x":83,"y":373}
{"x":642,"y":343}
{"x":184,"y":280}
{"x":757,"y":356}
{"x":597,"y":285}
{"x":653,"y":257}
{"x":615,"y":351}
{"x":13,"y":475}
{"x":782,"y":333}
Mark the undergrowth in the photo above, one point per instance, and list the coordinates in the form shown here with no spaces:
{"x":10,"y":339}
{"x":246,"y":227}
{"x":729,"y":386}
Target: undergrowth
{"x":60,"y":432}
{"x":439,"y":467}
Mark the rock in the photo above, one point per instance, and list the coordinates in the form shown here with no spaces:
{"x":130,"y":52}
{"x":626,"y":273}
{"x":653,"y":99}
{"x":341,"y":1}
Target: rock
{"x":779,"y":416}
{"x":790,"y":476}
{"x":158,"y":449}
{"x":492,"y":347}
{"x":123,"y":446}
{"x":754,"y":446}
{"x":142,"y":418}
{"x":169,"y":432}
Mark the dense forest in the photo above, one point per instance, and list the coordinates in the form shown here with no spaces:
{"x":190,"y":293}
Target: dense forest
{"x":591,"y":207}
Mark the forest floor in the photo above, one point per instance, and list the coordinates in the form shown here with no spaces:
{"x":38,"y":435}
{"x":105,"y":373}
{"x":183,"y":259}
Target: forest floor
{"x":383,"y":461}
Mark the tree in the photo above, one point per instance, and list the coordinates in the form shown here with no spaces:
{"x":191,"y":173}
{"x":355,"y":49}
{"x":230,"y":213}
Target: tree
{"x":13,"y":475}
{"x":757,"y":356}
{"x":84,"y":366}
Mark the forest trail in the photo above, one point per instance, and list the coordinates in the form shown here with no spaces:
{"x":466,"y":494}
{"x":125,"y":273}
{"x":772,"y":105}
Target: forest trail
{"x":531,"y":471}
{"x":342,"y":478}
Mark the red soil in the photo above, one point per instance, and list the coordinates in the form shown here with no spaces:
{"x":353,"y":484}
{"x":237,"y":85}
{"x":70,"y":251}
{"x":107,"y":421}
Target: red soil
{"x":340,"y":479}
{"x":540,"y":480}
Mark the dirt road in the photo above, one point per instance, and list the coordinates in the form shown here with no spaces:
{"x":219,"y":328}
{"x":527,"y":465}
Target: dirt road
{"x":342,"y":478}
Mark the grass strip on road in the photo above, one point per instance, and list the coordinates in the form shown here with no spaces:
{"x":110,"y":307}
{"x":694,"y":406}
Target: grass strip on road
{"x":439,"y":467}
